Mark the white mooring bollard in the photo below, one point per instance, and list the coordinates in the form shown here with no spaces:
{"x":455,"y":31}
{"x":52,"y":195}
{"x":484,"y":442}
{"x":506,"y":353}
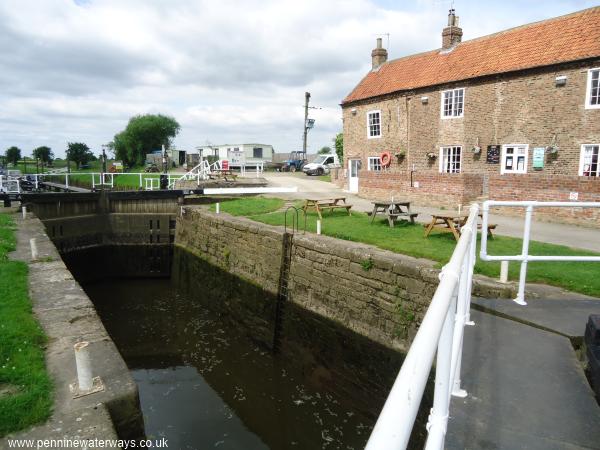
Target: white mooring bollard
{"x":318,"y":226}
{"x":217,"y":207}
{"x":24,"y":211}
{"x":503,"y":271}
{"x":84,"y":366}
{"x":34,"y":248}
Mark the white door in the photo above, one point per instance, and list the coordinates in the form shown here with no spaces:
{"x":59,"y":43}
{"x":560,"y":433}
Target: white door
{"x":353,"y":168}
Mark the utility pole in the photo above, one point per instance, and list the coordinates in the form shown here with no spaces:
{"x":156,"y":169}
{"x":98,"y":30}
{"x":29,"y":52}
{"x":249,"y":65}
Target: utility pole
{"x":104,"y":158}
{"x":306,"y":100}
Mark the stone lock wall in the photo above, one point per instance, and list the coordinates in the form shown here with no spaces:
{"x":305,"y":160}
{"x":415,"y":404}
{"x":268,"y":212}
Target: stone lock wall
{"x":376,"y":293}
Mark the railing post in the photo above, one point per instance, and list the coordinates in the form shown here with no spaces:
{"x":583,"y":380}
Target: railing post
{"x":438,"y":418}
{"x":461,"y":316}
{"x":503,"y":271}
{"x":525,"y":255}
{"x":67,"y":180}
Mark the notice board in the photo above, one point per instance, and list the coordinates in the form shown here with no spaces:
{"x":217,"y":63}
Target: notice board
{"x":493,"y":154}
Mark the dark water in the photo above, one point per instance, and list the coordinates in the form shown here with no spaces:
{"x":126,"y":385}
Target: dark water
{"x":208,"y":380}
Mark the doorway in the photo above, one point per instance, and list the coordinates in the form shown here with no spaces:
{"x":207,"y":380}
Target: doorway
{"x":353,"y":168}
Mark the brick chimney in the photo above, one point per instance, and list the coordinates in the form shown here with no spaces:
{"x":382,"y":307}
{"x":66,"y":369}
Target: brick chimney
{"x":452,"y":34}
{"x":378,"y":55}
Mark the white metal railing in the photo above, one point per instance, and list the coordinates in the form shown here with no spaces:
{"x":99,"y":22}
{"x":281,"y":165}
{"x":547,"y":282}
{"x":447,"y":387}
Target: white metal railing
{"x":525,"y":257}
{"x":442,"y":330}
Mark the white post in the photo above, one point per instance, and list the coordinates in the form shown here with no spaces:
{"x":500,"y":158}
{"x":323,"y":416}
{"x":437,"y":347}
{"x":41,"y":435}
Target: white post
{"x":217,"y":207}
{"x":503,"y":271}
{"x":37,"y":181}
{"x":140,"y":180}
{"x":459,"y":209}
{"x":84,"y":366}
{"x":318,"y":226}
{"x":67,"y":179}
{"x":34,"y":248}
{"x":525,"y":254}
{"x":24,"y":211}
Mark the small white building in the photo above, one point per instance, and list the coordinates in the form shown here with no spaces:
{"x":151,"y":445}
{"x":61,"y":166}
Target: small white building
{"x":239,"y":154}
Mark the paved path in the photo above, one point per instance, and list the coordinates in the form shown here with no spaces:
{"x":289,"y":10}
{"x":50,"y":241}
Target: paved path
{"x":569,"y":235}
{"x":527,"y":389}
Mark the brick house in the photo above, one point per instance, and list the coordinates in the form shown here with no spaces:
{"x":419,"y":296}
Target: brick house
{"x":510,"y":116}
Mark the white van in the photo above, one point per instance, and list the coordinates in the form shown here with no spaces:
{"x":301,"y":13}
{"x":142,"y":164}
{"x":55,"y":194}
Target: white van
{"x":322,"y":164}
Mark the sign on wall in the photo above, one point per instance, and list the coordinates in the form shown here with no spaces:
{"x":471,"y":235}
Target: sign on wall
{"x":538,"y":157}
{"x":493,"y":154}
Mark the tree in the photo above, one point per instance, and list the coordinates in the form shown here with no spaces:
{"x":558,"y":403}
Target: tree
{"x":13,"y":154}
{"x":44,"y":154}
{"x":79,"y":153}
{"x":144,"y":134}
{"x":325,"y":150}
{"x":339,"y":145}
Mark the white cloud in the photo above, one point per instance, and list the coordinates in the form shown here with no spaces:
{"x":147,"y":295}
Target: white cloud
{"x":227,"y":71}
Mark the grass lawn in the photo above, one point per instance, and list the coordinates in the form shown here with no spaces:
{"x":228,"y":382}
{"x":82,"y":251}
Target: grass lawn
{"x":250,"y":206}
{"x":324,"y":177}
{"x":25,"y":388}
{"x":408,"y":239}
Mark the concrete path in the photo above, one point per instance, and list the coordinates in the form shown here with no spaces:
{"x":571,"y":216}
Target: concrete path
{"x":569,"y":235}
{"x":527,"y":390}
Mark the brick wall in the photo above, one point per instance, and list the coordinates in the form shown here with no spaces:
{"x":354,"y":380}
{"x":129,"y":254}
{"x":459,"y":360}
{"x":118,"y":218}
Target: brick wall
{"x":522,"y":108}
{"x":425,"y":188}
{"x":549,"y":188}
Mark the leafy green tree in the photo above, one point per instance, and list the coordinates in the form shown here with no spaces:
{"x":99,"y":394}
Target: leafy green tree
{"x":142,"y":135}
{"x":339,"y":145}
{"x":44,"y":154}
{"x":13,"y":154}
{"x":79,"y":153}
{"x":325,"y":150}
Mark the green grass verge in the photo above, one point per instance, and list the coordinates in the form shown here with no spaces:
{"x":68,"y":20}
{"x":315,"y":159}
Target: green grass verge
{"x":250,"y":206}
{"x":325,"y":178}
{"x":408,"y":239}
{"x":25,"y":388}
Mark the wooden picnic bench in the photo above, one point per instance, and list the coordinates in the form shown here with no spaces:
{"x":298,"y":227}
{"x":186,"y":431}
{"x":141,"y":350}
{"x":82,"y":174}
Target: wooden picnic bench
{"x":225,"y":174}
{"x":393,"y":211}
{"x":453,"y":223}
{"x":329,"y":203}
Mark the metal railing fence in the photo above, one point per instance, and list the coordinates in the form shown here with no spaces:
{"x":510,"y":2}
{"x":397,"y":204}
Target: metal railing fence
{"x":441,"y":330}
{"x":525,"y":257}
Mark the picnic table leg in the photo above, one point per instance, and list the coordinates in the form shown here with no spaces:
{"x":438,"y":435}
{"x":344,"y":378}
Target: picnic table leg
{"x":373,"y":214}
{"x":430,"y":227}
{"x":319,"y":212}
{"x":455,"y":232}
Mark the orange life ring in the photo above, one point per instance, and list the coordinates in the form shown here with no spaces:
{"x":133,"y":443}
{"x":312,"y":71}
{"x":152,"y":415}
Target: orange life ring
{"x":385,"y":158}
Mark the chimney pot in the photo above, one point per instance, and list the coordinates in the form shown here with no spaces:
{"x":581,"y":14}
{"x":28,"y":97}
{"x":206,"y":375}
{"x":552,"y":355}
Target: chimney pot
{"x":452,"y":34}
{"x":378,"y":55}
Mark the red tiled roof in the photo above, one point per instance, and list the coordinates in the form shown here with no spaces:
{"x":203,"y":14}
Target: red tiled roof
{"x":562,"y":39}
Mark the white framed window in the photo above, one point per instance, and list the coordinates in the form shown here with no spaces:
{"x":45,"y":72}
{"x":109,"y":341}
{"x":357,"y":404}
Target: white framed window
{"x":374,"y":124}
{"x":592,"y":92}
{"x":589,"y":164}
{"x":374,"y":163}
{"x":514,"y":158}
{"x":453,"y":102}
{"x":450,"y":159}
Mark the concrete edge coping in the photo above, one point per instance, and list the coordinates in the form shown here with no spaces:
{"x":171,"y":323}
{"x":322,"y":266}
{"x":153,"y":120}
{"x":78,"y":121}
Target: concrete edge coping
{"x":103,"y":413}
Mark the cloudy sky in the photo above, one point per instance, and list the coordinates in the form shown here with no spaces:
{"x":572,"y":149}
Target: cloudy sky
{"x":228,"y":71}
